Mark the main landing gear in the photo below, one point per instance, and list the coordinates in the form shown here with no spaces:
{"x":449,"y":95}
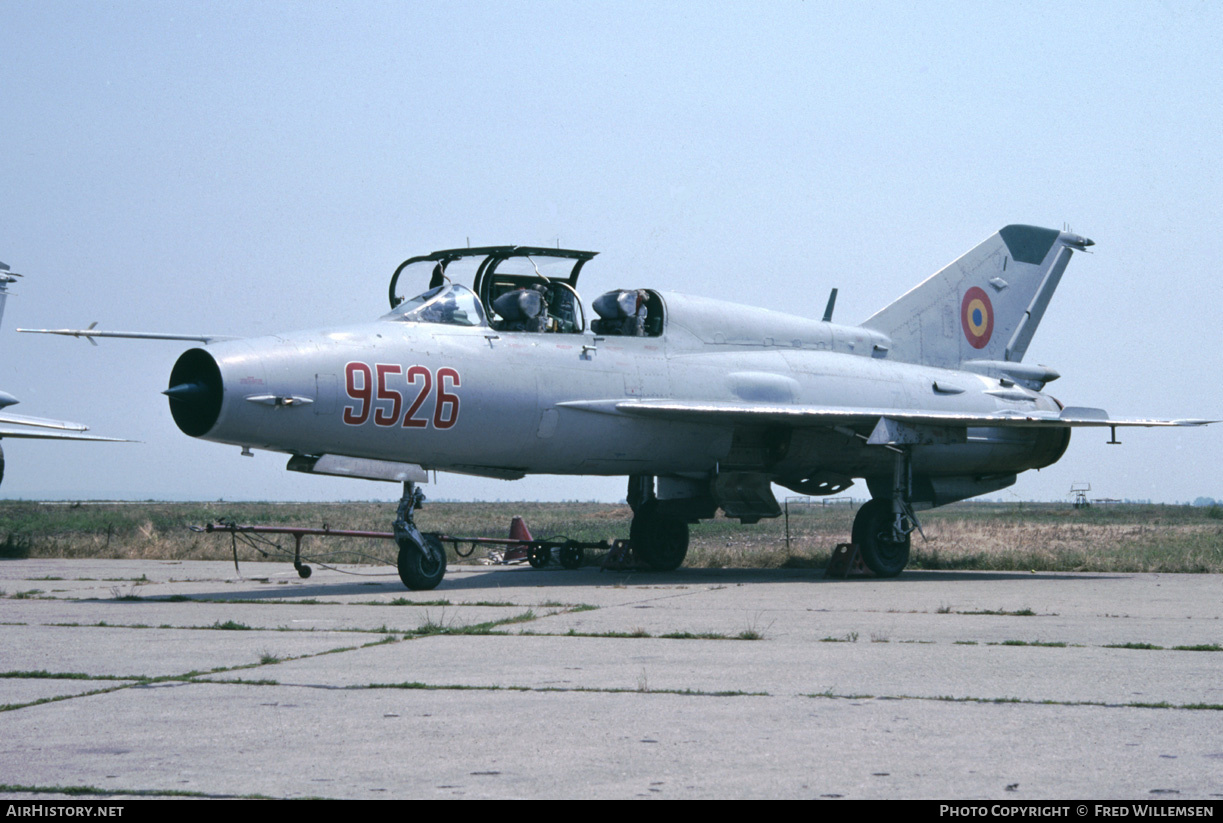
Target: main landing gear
{"x":883,"y":548}
{"x":883,"y":525}
{"x":422,"y":558}
{"x":659,"y":538}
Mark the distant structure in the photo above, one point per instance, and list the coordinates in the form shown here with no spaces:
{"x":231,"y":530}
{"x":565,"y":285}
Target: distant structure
{"x":1080,"y":490}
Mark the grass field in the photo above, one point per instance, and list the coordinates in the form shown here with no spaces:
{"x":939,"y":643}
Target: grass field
{"x":1040,"y":537}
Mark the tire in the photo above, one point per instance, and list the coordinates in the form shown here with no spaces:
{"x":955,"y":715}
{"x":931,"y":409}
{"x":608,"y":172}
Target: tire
{"x":422,"y":561}
{"x":572,"y":557}
{"x":872,"y":534}
{"x":538,"y":556}
{"x":658,"y":541}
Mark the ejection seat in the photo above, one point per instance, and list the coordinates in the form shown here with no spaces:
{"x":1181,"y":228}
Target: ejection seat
{"x":627,"y":313}
{"x":524,"y":309}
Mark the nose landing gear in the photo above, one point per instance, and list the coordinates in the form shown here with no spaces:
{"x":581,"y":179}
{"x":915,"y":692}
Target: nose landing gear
{"x":422,"y":557}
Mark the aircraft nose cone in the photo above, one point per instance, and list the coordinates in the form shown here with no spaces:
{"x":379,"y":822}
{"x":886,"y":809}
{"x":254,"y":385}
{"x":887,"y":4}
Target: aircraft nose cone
{"x":186,"y":392}
{"x":196,"y":391}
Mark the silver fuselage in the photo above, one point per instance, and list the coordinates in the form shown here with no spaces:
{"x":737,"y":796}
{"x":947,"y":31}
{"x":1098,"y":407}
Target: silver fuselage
{"x":474,"y":400}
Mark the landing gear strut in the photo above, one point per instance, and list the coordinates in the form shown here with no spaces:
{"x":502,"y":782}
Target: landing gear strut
{"x":422,"y":558}
{"x":659,"y":538}
{"x":883,"y":526}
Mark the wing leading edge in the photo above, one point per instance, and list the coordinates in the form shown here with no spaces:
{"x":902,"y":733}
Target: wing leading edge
{"x":798,"y":415}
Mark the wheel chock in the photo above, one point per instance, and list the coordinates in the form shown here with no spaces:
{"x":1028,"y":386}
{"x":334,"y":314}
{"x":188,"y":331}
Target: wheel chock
{"x":846,"y":562}
{"x":620,"y":557}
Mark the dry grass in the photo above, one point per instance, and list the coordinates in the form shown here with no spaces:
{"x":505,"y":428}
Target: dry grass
{"x":1117,"y":538}
{"x":1041,"y":537}
{"x":1073,"y":546}
{"x":161,"y":531}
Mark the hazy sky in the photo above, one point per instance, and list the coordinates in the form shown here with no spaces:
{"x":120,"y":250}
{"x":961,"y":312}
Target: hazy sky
{"x":247,"y":168}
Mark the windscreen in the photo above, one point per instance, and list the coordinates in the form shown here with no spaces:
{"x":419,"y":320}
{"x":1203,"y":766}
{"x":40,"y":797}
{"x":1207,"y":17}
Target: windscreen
{"x":448,"y":304}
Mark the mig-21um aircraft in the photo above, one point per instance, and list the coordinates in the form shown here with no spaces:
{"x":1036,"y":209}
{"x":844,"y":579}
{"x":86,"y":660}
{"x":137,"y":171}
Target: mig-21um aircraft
{"x":703,"y":404}
{"x":19,"y":425}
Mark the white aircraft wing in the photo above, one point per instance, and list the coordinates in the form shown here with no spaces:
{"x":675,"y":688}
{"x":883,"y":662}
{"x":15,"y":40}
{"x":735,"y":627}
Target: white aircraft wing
{"x":43,"y":434}
{"x":41,"y":422}
{"x":36,"y":428}
{"x":697,"y":411}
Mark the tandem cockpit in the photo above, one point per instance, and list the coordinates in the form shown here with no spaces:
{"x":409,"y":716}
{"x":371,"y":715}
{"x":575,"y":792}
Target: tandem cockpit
{"x":518,"y":289}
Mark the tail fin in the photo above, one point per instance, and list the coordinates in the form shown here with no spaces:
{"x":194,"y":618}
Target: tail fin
{"x":984,"y":306}
{"x":7,"y":276}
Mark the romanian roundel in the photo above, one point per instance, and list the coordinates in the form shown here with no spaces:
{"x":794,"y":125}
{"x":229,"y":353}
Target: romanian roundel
{"x":977,"y":317}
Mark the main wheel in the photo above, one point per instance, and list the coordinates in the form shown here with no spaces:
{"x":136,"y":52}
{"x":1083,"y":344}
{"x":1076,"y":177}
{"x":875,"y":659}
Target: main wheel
{"x":658,"y":541}
{"x":872,"y":533}
{"x":422,"y":560}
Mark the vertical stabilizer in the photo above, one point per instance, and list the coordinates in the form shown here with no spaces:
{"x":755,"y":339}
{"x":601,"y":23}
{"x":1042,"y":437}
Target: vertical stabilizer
{"x":984,"y":306}
{"x":5,"y":279}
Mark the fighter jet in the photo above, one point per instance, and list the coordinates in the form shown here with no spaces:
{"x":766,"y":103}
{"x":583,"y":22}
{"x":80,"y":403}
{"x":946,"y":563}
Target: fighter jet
{"x":702,"y":404}
{"x":18,"y":425}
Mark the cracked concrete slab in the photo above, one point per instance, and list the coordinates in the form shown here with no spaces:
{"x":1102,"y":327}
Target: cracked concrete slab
{"x":506,"y":682}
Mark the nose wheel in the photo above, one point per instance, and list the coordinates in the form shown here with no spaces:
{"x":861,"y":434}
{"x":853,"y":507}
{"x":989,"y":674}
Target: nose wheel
{"x":422,"y":561}
{"x":422,"y":558}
